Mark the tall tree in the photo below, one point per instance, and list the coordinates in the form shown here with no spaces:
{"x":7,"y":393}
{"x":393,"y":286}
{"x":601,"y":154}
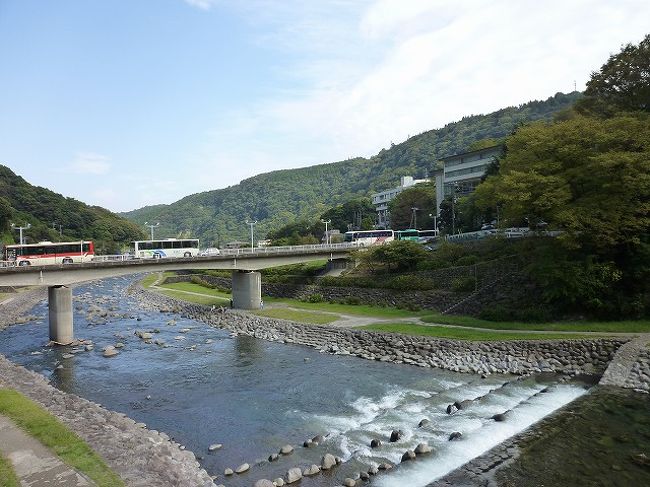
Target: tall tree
{"x":358,"y":212}
{"x":622,"y":83}
{"x":422,"y":197}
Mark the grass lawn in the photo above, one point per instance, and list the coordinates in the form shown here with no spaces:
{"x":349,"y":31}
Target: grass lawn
{"x":461,"y":334}
{"x":300,"y":316}
{"x":193,"y":298}
{"x":196,"y":288}
{"x":4,"y":296}
{"x":640,"y":326}
{"x":7,"y":475}
{"x":50,"y":432}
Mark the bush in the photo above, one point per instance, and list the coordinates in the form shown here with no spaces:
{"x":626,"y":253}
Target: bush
{"x":314,"y":298}
{"x":463,"y":284}
{"x":467,"y":260}
{"x":202,"y":282}
{"x":409,"y":282}
{"x":503,"y":313}
{"x":353,"y":300}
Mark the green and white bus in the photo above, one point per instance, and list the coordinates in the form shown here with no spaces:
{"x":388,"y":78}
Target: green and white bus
{"x":170,"y":247}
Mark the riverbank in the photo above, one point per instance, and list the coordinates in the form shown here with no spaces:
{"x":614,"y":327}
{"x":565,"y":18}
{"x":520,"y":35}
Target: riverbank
{"x":516,"y":357}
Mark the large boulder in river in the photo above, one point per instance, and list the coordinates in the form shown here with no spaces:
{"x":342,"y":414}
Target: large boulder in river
{"x":408,"y":455}
{"x":375,"y":443}
{"x":423,"y":448}
{"x":455,"y":436}
{"x":423,"y":422}
{"x":242,"y":468}
{"x":395,"y":435}
{"x":313,"y":470}
{"x":328,"y":461}
{"x":500,"y":417}
{"x":286,"y":449}
{"x":110,"y":351}
{"x":294,"y":475}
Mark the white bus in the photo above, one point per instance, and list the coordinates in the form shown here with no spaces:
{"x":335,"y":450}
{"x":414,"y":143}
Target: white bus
{"x":170,"y":247}
{"x":365,"y":238}
{"x":49,"y":253}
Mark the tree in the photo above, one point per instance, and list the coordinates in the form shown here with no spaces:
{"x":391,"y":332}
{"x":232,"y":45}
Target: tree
{"x":351,"y":213}
{"x":622,"y":83}
{"x":421,"y":196}
{"x":399,"y":255}
{"x":6,"y":214}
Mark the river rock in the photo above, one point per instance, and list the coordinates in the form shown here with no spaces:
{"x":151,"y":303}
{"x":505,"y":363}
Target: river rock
{"x":455,"y":436}
{"x":273,"y":457}
{"x":214,"y":446}
{"x":294,"y":475}
{"x":313,"y":470}
{"x":67,"y":355}
{"x":318,"y":439}
{"x":451,"y":409}
{"x":264,"y":483}
{"x":328,"y":461}
{"x":308,"y":444}
{"x":423,"y":422}
{"x":385,"y":466}
{"x":228,"y":472}
{"x":110,"y":351}
{"x":408,"y":455}
{"x":286,"y":449}
{"x":423,"y":448}
{"x":500,"y":417}
{"x":279,"y":482}
{"x":348,"y":482}
{"x":373,"y":470}
{"x":119,"y":345}
{"x":395,"y":435}
{"x":375,"y":443}
{"x":242,"y":468}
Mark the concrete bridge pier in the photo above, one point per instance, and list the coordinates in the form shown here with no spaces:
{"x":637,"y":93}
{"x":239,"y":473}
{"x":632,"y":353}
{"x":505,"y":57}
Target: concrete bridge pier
{"x":60,"y":304}
{"x":246,"y":290}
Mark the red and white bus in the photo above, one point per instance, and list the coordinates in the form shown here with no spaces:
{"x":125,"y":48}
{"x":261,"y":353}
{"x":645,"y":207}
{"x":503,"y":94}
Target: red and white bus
{"x":364,"y":238}
{"x":48,"y":253}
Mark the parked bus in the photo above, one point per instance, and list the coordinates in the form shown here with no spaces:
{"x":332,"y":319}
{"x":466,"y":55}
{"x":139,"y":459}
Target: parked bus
{"x":365,"y":238}
{"x":408,"y":234}
{"x":428,"y":236}
{"x":170,"y":247}
{"x":48,"y":253}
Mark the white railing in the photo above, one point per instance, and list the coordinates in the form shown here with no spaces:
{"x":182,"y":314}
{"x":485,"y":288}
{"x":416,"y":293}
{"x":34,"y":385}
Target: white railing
{"x":288,"y":249}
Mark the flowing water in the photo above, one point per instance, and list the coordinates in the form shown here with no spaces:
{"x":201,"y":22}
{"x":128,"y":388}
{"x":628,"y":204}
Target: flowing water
{"x":253,"y":396}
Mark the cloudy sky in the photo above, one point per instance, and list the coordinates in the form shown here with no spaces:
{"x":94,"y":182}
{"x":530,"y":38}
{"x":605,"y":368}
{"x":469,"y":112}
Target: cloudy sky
{"x":125,"y":103}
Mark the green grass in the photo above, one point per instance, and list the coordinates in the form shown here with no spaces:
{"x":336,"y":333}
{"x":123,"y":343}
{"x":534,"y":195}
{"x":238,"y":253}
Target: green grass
{"x":193,"y":298}
{"x":196,"y":288}
{"x":7,"y":475}
{"x":640,"y":326}
{"x":4,"y":296}
{"x":53,"y":434}
{"x":350,"y":309}
{"x":299,"y":316}
{"x":462,"y":334}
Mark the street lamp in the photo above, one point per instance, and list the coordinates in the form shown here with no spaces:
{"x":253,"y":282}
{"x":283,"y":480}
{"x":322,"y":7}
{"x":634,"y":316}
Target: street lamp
{"x":151,"y":227}
{"x":20,"y":229}
{"x":327,"y":236}
{"x":435,"y":222}
{"x":252,"y":224}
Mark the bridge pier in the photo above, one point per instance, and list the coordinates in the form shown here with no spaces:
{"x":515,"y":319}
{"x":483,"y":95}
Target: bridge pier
{"x":60,"y":303}
{"x":246,"y":290}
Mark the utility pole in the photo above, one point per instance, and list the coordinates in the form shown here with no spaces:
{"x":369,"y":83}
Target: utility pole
{"x":151,"y":227}
{"x":252,"y":224}
{"x":327,"y":236}
{"x":453,"y":209}
{"x":414,"y":217}
{"x":20,"y":229}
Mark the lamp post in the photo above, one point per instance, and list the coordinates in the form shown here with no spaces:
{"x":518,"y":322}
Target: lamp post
{"x":252,"y":224}
{"x":327,"y":235}
{"x":151,"y":227}
{"x":20,"y":229}
{"x":435,"y":222}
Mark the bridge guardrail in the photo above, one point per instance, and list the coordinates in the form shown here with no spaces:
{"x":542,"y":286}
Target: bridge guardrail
{"x":287,"y":249}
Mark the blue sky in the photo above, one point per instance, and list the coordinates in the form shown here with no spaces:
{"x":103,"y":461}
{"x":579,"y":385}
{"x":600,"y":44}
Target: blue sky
{"x":125,"y":103}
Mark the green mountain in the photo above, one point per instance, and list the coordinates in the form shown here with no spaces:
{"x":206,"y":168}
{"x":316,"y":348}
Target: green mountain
{"x":45,"y":210}
{"x":280,"y":197}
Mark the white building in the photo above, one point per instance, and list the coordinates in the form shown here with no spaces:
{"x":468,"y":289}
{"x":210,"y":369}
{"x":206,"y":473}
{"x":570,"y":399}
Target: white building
{"x":461,"y":173}
{"x":380,"y":200}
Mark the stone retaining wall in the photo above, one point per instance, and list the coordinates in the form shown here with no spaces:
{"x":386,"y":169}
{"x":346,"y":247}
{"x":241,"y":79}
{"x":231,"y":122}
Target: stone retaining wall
{"x":433,"y":300}
{"x":516,"y":357}
{"x":639,"y":377}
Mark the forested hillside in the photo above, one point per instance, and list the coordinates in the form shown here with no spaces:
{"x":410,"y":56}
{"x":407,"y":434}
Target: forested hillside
{"x":277,"y":198}
{"x":47,"y":212}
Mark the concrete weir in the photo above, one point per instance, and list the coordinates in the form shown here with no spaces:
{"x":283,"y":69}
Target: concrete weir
{"x":60,"y":304}
{"x":246,"y":290}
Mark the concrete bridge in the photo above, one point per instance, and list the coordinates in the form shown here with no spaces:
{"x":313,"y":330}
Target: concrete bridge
{"x":245,"y":265}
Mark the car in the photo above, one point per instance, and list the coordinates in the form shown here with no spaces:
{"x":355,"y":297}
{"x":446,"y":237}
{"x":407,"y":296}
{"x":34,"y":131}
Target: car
{"x":211,"y":251}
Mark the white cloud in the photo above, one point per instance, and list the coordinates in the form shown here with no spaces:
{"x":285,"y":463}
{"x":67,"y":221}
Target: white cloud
{"x":90,"y":163}
{"x":202,"y":4}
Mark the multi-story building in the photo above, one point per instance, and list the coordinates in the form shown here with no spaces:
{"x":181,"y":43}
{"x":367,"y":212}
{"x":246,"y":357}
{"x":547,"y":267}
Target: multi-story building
{"x":380,"y":200}
{"x":461,"y":173}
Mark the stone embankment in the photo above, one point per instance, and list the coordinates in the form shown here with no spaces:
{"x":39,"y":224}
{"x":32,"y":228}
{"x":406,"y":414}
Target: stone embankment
{"x":639,"y":376}
{"x":141,"y":457}
{"x":14,"y":311}
{"x":515,"y":357}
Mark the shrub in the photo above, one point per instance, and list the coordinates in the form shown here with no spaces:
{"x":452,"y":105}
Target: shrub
{"x":463,"y":284}
{"x":352,"y":300}
{"x":315,"y":298}
{"x":201,"y":282}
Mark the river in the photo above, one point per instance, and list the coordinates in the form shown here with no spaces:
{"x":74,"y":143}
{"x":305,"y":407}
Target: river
{"x":205,"y":386}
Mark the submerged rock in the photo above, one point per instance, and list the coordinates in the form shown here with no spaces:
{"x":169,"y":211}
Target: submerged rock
{"x":293,"y":475}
